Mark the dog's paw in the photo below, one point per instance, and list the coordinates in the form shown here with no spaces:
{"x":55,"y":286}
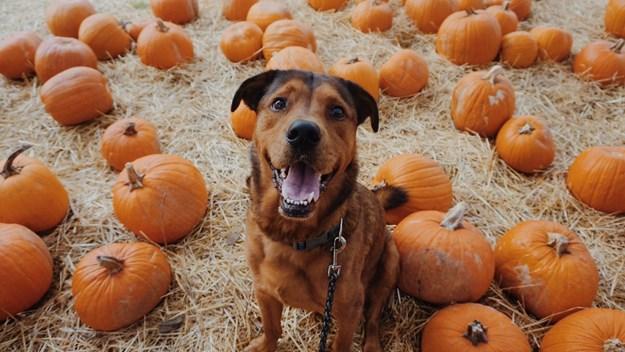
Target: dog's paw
{"x":261,"y":344}
{"x":372,"y":345}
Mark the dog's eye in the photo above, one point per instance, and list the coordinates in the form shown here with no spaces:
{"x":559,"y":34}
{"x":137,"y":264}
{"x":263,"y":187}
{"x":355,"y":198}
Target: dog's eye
{"x":337,"y":112}
{"x":278,"y":104}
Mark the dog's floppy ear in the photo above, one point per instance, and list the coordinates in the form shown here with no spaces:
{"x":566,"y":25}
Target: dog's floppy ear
{"x":366,"y":106}
{"x":252,"y":90}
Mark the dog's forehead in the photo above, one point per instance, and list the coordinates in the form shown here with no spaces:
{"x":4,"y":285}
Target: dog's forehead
{"x":312,"y":81}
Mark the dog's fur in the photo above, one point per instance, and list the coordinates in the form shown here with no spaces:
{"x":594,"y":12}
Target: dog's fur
{"x":283,"y":275}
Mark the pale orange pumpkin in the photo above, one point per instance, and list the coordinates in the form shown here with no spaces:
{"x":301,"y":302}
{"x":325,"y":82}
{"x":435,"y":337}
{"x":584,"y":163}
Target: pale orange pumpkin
{"x":65,"y":16}
{"x":525,"y":143}
{"x":428,"y":15}
{"x":236,"y":10}
{"x":164,"y":45}
{"x":519,"y":49}
{"x":507,"y":18}
{"x":522,"y":8}
{"x":266,"y":12}
{"x":295,"y":58}
{"x":241,"y":41}
{"x":134,"y":28}
{"x":127,"y":140}
{"x":105,"y":36}
{"x":359,"y":71}
{"x":57,"y":54}
{"x":284,"y":33}
{"x":464,"y":5}
{"x":614,"y":18}
{"x":404,"y":74}
{"x":372,"y":16}
{"x":602,"y":61}
{"x":18,"y":54}
{"x":175,"y":11}
{"x":553,"y":43}
{"x":326,"y":5}
{"x":243,"y":121}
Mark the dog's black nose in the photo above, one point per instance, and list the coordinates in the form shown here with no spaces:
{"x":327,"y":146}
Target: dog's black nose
{"x":303,"y":134}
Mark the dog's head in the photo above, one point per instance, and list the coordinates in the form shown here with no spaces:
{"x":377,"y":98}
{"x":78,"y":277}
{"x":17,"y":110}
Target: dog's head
{"x":305,"y":136}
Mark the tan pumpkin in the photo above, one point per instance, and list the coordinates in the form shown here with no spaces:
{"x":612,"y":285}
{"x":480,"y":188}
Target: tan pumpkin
{"x":602,"y":61}
{"x":614,"y":18}
{"x":243,"y":121}
{"x":464,"y":5}
{"x":428,"y":15}
{"x":359,"y":71}
{"x":127,"y":140}
{"x":404,"y":74}
{"x":18,"y":54}
{"x":57,"y":54}
{"x":525,"y":143}
{"x":236,"y":10}
{"x":175,"y":11}
{"x":326,"y":5}
{"x":241,"y":41}
{"x":105,"y":35}
{"x":295,"y":58}
{"x":266,"y":12}
{"x":164,"y":45}
{"x":65,"y":16}
{"x":507,"y":18}
{"x":482,"y":102}
{"x":134,"y":28}
{"x":553,"y":43}
{"x":519,"y":49}
{"x":372,"y":16}
{"x":76,"y":95}
{"x":522,"y":8}
{"x":284,"y":33}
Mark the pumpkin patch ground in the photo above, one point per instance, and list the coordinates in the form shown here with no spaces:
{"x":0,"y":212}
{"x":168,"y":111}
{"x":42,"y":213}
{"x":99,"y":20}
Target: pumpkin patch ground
{"x":209,"y":305}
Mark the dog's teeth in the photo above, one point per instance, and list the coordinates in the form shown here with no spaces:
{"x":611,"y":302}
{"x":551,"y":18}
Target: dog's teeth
{"x":310,"y":197}
{"x":283,"y":173}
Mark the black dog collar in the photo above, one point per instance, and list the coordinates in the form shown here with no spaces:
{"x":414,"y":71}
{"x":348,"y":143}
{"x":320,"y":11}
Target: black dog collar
{"x":312,"y":243}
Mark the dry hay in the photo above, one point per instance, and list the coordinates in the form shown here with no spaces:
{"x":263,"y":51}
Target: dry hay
{"x":212,"y":289}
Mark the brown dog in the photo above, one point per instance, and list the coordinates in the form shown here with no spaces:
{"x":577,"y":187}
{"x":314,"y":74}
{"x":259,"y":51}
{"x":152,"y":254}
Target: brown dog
{"x":303,"y":183}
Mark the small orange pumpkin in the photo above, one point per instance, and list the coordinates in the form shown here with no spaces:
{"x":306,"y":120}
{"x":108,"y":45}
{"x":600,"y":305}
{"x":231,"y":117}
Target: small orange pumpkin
{"x":522,"y":8}
{"x":241,"y":41}
{"x":105,"y":35}
{"x":164,"y":45}
{"x":404,"y":74}
{"x":295,"y":58}
{"x":243,"y":121}
{"x":602,"y":61}
{"x":127,"y":140}
{"x":372,"y":16}
{"x":134,"y":28}
{"x":359,"y":71}
{"x":236,"y":10}
{"x":284,"y":33}
{"x":519,"y":49}
{"x":553,"y":43}
{"x":175,"y":11}
{"x":57,"y":54}
{"x":464,"y":5}
{"x":507,"y":18}
{"x":266,"y":12}
{"x":326,"y":5}
{"x":65,"y":16}
{"x":117,"y":284}
{"x":614,"y":18}
{"x":428,"y":15}
{"x":525,"y":143}
{"x":18,"y":54}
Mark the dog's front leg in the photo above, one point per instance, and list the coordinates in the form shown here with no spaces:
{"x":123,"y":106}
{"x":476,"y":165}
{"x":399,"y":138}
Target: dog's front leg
{"x":271,"y":316}
{"x":347,"y":321}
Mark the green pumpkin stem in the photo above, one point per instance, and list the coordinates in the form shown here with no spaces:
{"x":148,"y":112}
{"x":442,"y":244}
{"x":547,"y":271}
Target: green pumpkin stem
{"x":613,"y":345}
{"x":527,"y":129}
{"x":492,"y":74}
{"x":618,"y":46}
{"x":134,"y":178}
{"x":477,"y":333}
{"x":130,"y":129}
{"x":454,"y":217}
{"x":112,"y":264}
{"x":161,"y":26}
{"x":559,"y":243}
{"x":9,"y":170}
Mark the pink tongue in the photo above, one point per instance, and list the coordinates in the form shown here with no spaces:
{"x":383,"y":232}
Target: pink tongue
{"x":300,"y":182}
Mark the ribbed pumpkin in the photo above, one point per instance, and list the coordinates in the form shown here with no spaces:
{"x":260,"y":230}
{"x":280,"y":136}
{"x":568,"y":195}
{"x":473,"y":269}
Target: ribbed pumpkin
{"x":602,"y":61}
{"x":464,"y":5}
{"x":284,"y":33}
{"x":525,"y":143}
{"x":161,"y":197}
{"x":472,"y":327}
{"x":325,"y":5}
{"x":372,"y":16}
{"x":295,"y":58}
{"x":420,"y":179}
{"x":127,"y":140}
{"x":507,"y":18}
{"x":164,"y":45}
{"x":482,"y":102}
{"x":614,"y":18}
{"x":359,"y":71}
{"x":547,"y":267}
{"x":553,"y":43}
{"x":428,"y":15}
{"x":134,"y":28}
{"x":25,"y":269}
{"x":589,"y":330}
{"x":57,"y":54}
{"x":117,"y":284}
{"x":519,"y":49}
{"x":241,"y":41}
{"x":23,"y":180}
{"x":404,"y":74}
{"x":243,"y":121}
{"x":76,"y":95}
{"x":522,"y":8}
{"x":597,"y":179}
{"x":105,"y":35}
{"x":65,"y":16}
{"x":175,"y":11}
{"x":266,"y":12}
{"x":236,"y":10}
{"x":469,"y":37}
{"x":443,"y":258}
{"x":18,"y":55}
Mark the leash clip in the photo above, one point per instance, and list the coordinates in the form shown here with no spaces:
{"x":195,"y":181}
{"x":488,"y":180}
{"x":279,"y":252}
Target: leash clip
{"x":337,"y":247}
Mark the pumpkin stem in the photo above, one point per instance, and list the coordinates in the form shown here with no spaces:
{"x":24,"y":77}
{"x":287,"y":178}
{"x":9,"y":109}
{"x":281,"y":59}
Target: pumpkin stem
{"x":379,"y":186}
{"x":9,"y":170}
{"x":130,"y":129}
{"x":527,"y":129}
{"x":559,"y":242}
{"x":476,"y":333}
{"x":353,"y":61}
{"x":161,"y":26}
{"x":112,"y":264}
{"x":136,"y":180}
{"x":492,"y":74}
{"x":506,"y":5}
{"x":454,"y":217}
{"x":470,"y":11}
{"x":618,"y":46}
{"x":613,"y":345}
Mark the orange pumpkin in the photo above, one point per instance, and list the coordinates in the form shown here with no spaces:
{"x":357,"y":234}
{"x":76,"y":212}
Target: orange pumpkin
{"x":519,"y":49}
{"x":443,"y":258}
{"x":372,"y":16}
{"x":472,"y":327}
{"x":404,"y":74}
{"x":507,"y":18}
{"x":76,"y":95}
{"x":175,"y":11}
{"x":602,"y":61}
{"x":482,"y":102}
{"x":420,"y":180}
{"x":553,"y":43}
{"x":522,"y":8}
{"x":25,"y":268}
{"x":127,"y":140}
{"x":23,"y":180}
{"x":469,"y":37}
{"x":105,"y":35}
{"x":525,"y":143}
{"x":295,"y":58}
{"x":134,"y":28}
{"x":160,"y":197}
{"x":359,"y":71}
{"x":117,"y":284}
{"x":241,"y":41}
{"x":428,"y":15}
{"x":325,"y":5}
{"x":243,"y":121}
{"x":464,"y":5}
{"x":65,"y":16}
{"x":597,"y":179}
{"x":589,"y":330}
{"x":18,"y":54}
{"x":614,"y":18}
{"x":236,"y":10}
{"x":57,"y":54}
{"x":164,"y":45}
{"x":547,"y":267}
{"x":266,"y":12}
{"x":284,"y":33}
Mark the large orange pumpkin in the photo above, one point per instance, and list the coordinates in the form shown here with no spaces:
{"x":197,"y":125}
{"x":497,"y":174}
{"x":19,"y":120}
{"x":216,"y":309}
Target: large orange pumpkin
{"x":404,"y":74}
{"x":57,"y":54}
{"x":482,"y":102}
{"x":525,"y":143}
{"x":522,"y":8}
{"x":359,"y":71}
{"x":614,"y":18}
{"x":175,"y":11}
{"x":243,"y":121}
{"x":547,"y":267}
{"x":127,"y":140}
{"x":519,"y":49}
{"x":507,"y":18}
{"x":236,"y":10}
{"x":105,"y":35}
{"x":443,"y":258}
{"x":596,"y":178}
{"x":117,"y":284}
{"x":419,"y":179}
{"x":23,"y":180}
{"x":18,"y":55}
{"x":25,"y":269}
{"x":295,"y":58}
{"x":284,"y":33}
{"x":602,"y":61}
{"x":325,"y":5}
{"x":553,"y":43}
{"x":372,"y":16}
{"x":241,"y":41}
{"x":164,"y":45}
{"x":266,"y":12}
{"x":160,"y":197}
{"x":428,"y":15}
{"x":65,"y":16}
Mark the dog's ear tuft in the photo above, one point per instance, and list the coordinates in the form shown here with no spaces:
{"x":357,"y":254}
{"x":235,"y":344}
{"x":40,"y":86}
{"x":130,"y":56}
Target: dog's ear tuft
{"x":252,"y":90}
{"x":366,"y":106}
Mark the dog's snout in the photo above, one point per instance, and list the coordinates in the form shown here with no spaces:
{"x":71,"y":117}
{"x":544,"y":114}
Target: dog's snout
{"x":303,"y":134}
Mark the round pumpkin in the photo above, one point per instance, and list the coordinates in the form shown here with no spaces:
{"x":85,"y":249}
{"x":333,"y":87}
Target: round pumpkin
{"x":553,"y":43}
{"x":175,"y":11}
{"x":596,"y":178}
{"x":522,"y":8}
{"x":464,"y":5}
{"x":614,"y":18}
{"x":117,"y":284}
{"x":443,"y":258}
{"x":420,"y":180}
{"x":65,"y":16}
{"x":18,"y":54}
{"x":404,"y":74}
{"x":602,"y":61}
{"x":472,"y":327}
{"x":428,"y":15}
{"x":160,"y":197}
{"x":76,"y":95}
{"x":164,"y":45}
{"x":519,"y":49}
{"x":284,"y":33}
{"x":482,"y":102}
{"x":134,"y":28}
{"x":57,"y":54}
{"x":127,"y":140}
{"x":359,"y":71}
{"x":507,"y":18}
{"x":243,"y":121}
{"x":295,"y":58}
{"x":236,"y":10}
{"x":266,"y":12}
{"x":525,"y":143}
{"x":325,"y":5}
{"x":23,"y":180}
{"x":469,"y":37}
{"x":589,"y":330}
{"x":241,"y":41}
{"x":25,"y":269}
{"x":547,"y":267}
{"x":105,"y":35}
{"x":372,"y":16}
